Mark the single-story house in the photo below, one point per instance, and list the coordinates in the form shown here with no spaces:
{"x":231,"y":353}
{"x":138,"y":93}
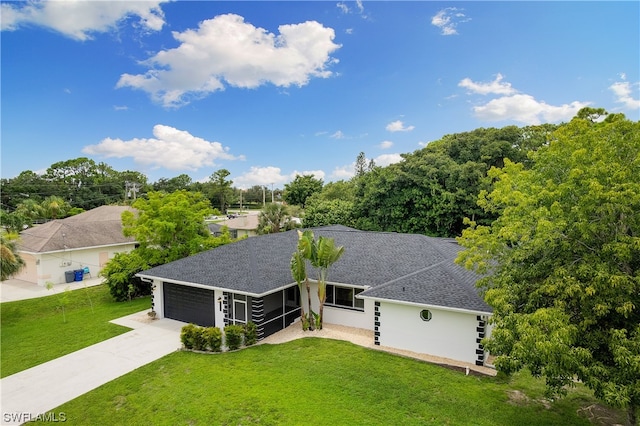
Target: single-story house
{"x":87,"y":240}
{"x":406,"y":288}
{"x":243,"y":225}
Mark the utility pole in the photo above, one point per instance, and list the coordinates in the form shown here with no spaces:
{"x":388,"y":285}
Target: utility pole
{"x":131,"y":187}
{"x":263,"y":196}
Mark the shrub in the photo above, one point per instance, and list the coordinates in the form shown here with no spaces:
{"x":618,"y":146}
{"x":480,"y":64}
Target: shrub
{"x":213,"y":338}
{"x":250,"y":334}
{"x":233,"y":336}
{"x":119,"y":274}
{"x":187,"y":335}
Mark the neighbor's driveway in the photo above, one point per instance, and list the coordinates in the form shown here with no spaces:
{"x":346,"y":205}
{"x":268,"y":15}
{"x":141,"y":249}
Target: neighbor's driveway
{"x":40,"y":389}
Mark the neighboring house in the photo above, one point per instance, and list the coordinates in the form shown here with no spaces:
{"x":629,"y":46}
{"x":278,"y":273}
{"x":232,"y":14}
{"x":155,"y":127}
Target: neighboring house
{"x":406,"y":288}
{"x":87,"y":240}
{"x":244,"y":225}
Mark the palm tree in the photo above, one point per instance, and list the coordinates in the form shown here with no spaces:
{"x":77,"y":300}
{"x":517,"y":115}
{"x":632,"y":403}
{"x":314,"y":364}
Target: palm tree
{"x":55,"y":207}
{"x":299,"y":273}
{"x":30,"y":209}
{"x":322,"y":253}
{"x":10,"y":260}
{"x":327,"y":255}
{"x":274,"y":218}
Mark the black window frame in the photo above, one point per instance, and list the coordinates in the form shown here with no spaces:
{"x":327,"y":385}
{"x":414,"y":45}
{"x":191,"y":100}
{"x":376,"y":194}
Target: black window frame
{"x":356,"y":304}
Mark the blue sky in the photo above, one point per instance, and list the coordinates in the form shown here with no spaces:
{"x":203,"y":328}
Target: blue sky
{"x":270,"y":89}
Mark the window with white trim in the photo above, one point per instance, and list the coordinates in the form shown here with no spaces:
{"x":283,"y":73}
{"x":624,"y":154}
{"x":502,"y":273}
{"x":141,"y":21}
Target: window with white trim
{"x":344,"y":297}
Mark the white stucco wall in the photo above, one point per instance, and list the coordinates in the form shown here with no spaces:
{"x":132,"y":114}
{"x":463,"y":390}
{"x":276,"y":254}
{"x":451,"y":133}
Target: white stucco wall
{"x":339,"y":316}
{"x":51,"y":267}
{"x":448,"y":334}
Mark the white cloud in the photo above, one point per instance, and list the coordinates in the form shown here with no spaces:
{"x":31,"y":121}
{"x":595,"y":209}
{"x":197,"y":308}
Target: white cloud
{"x":494,"y":87}
{"x":346,"y":9}
{"x":398,"y":126}
{"x":623,"y":91}
{"x":348,"y":171}
{"x":448,"y":19}
{"x":344,"y":172}
{"x":120,"y":108}
{"x":526,"y":109}
{"x":78,"y":19}
{"x":226,"y":50}
{"x":387,"y":159}
{"x":338,"y":135}
{"x":318,"y":174}
{"x":260,"y":176}
{"x":386,"y":144}
{"x":517,"y":106}
{"x":270,"y":174}
{"x":343,"y":7}
{"x":170,"y":148}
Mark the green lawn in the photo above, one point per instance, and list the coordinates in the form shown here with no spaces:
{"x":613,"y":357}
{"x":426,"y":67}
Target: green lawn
{"x":320,"y":382}
{"x":34,"y":331}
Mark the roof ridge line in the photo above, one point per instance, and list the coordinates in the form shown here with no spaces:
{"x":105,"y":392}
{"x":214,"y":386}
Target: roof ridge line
{"x":388,"y":283}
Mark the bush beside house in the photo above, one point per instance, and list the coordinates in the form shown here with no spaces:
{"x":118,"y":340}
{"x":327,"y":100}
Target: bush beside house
{"x":212,"y":339}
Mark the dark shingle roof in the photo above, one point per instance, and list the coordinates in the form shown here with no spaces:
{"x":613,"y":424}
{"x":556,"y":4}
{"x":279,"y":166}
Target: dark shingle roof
{"x":405,"y":267}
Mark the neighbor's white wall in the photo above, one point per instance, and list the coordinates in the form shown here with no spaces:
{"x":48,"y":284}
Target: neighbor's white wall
{"x":448,"y":334}
{"x":30,"y":271}
{"x":52,"y":266}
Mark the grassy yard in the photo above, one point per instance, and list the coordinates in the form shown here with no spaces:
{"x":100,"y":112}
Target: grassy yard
{"x":321,"y":382}
{"x":34,"y":331}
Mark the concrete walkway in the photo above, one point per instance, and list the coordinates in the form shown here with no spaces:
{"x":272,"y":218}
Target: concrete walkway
{"x":38,"y":390}
{"x":12,"y":290}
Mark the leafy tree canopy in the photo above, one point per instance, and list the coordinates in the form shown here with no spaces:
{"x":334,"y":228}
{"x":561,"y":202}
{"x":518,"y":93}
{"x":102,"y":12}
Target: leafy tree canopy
{"x":563,"y":259}
{"x":167,"y":227}
{"x":433,"y":189}
{"x":302,"y":187}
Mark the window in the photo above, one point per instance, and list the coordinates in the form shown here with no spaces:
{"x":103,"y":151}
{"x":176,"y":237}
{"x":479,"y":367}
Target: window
{"x":425,"y":314}
{"x":344,"y":297}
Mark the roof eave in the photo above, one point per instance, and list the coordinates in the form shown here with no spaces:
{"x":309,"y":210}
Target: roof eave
{"x":427,"y":305}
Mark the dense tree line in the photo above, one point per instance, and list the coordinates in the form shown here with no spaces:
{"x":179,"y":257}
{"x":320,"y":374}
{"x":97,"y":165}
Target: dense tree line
{"x":432,"y":190}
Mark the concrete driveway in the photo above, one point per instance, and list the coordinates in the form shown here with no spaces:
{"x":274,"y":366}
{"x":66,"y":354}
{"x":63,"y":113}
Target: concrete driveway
{"x":38,"y":390}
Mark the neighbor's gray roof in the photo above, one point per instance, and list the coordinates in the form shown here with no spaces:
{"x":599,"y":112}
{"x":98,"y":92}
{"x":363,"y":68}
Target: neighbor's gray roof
{"x":101,"y":226}
{"x":406,"y":267}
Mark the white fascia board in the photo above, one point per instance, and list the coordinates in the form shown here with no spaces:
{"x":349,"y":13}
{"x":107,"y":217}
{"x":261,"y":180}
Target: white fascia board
{"x":424,"y":305}
{"x":77,"y":248}
{"x":209,"y":287}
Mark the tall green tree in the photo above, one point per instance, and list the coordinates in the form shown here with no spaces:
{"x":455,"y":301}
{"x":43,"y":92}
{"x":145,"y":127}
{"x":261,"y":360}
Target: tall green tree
{"x":221,"y":191}
{"x":563,"y":260}
{"x":170,"y":224}
{"x":177,"y":183}
{"x":10,"y":261}
{"x":302,"y":187}
{"x":167,"y":227}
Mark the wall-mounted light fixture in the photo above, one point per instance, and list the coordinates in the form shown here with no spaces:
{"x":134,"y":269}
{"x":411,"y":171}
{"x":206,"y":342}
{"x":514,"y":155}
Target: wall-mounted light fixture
{"x":220,"y":303}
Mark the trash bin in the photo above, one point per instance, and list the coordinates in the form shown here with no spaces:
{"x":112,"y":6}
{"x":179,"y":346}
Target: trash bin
{"x":69,"y":276}
{"x":78,"y":274}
